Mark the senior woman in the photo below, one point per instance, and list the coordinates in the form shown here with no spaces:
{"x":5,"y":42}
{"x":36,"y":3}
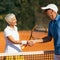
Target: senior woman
{"x":11,"y":35}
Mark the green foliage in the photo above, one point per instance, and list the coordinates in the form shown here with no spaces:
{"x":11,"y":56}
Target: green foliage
{"x":25,"y":11}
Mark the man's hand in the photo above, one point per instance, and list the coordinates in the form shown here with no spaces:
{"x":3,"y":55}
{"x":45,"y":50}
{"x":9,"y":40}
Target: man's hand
{"x":31,"y":42}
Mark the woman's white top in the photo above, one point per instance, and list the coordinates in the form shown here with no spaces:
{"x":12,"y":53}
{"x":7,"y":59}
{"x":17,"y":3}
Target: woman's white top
{"x":11,"y":47}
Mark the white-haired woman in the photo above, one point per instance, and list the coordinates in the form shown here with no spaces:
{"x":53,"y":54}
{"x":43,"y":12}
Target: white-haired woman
{"x":11,"y":35}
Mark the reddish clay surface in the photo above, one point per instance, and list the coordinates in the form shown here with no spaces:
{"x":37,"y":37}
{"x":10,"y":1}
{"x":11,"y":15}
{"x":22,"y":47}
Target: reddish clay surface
{"x":25,"y":35}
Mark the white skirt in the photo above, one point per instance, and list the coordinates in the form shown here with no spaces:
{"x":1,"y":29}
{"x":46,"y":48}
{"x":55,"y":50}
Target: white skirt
{"x":13,"y":48}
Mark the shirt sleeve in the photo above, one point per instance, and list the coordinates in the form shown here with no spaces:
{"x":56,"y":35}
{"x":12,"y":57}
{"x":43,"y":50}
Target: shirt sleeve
{"x":7,"y":32}
{"x":58,"y":31}
{"x":49,"y":32}
{"x":49,"y":37}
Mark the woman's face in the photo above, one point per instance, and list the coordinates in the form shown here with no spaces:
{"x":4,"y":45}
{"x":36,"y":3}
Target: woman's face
{"x":13,"y":22}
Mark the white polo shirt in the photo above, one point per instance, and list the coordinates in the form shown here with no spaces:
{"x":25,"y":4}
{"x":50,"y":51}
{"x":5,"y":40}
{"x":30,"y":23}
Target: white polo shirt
{"x":11,"y":47}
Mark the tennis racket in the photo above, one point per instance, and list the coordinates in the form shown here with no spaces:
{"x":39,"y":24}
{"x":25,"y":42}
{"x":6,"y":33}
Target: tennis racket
{"x":35,"y":31}
{"x":31,"y":35}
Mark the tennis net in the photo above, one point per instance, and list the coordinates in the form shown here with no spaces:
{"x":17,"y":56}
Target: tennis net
{"x":33,"y":55}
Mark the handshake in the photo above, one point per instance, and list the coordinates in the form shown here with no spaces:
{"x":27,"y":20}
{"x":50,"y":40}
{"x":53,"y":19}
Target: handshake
{"x":31,"y":42}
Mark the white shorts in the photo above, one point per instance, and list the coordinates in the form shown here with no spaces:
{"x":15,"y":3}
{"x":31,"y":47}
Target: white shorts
{"x":56,"y":57}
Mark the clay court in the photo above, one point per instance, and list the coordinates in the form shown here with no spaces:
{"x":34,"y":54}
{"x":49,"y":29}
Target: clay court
{"x":25,"y":35}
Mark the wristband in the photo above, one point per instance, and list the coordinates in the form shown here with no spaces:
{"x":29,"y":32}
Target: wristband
{"x":24,"y":42}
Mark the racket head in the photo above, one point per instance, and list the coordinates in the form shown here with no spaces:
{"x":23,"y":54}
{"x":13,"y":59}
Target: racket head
{"x":37,"y":29}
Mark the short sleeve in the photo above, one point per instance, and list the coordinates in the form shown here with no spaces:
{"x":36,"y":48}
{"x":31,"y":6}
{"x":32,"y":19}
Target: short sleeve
{"x":7,"y":32}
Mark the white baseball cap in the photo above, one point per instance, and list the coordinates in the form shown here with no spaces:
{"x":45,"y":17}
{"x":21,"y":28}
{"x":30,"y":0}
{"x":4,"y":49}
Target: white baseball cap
{"x":51,"y":6}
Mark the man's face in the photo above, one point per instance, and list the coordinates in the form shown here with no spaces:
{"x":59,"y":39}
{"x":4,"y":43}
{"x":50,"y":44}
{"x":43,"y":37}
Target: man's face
{"x":50,"y":14}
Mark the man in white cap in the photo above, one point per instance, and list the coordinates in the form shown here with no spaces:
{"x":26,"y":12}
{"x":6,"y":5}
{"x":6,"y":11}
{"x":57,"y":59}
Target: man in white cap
{"x":53,"y":29}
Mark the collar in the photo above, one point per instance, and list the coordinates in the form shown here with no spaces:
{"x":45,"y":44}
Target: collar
{"x":11,"y":28}
{"x":57,"y":17}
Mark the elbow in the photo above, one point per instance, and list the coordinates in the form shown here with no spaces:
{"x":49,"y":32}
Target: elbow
{"x":47,"y":39}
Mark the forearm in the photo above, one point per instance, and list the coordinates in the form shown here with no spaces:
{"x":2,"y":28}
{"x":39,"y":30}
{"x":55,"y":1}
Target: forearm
{"x":45,"y":39}
{"x":17,"y":42}
{"x":39,"y":41}
{"x":10,"y":38}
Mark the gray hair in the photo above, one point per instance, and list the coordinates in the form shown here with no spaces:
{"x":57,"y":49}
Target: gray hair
{"x":9,"y":17}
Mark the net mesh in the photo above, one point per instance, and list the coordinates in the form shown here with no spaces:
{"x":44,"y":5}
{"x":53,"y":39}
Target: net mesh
{"x":35,"y":55}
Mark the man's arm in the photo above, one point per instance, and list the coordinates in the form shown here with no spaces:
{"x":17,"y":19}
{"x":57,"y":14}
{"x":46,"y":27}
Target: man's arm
{"x":45,"y":39}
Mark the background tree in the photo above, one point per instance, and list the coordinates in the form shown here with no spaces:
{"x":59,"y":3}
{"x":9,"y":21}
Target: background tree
{"x":28,"y":12}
